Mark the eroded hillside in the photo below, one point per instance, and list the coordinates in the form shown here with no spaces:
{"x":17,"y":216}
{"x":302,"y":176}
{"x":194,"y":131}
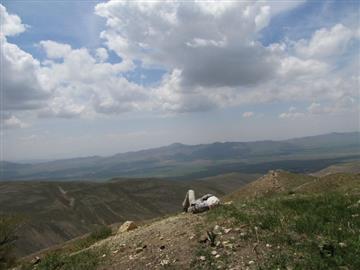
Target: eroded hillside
{"x":292,"y":222}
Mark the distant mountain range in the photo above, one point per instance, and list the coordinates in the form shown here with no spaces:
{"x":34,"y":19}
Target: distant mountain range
{"x":180,"y":161}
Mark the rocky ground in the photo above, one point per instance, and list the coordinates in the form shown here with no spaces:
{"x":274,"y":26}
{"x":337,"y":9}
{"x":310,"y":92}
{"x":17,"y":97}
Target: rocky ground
{"x":183,"y":241}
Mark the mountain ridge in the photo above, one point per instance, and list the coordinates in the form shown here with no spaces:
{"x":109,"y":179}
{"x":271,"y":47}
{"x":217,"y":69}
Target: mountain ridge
{"x":181,"y":161}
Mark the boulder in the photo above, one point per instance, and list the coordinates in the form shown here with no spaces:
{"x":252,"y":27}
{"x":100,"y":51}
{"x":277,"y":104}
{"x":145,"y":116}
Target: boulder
{"x":127,"y":226}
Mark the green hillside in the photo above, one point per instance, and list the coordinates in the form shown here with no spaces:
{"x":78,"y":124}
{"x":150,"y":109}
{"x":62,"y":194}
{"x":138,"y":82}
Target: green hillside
{"x":58,"y":211}
{"x":281,"y":221}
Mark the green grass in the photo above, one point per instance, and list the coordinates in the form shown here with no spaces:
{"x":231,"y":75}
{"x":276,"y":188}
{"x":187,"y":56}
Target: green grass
{"x":312,"y":231}
{"x":71,"y":257}
{"x":86,"y":260}
{"x":98,"y":234}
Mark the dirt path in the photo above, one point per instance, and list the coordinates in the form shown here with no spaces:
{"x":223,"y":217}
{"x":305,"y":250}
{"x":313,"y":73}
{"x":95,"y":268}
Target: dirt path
{"x":168,"y":242}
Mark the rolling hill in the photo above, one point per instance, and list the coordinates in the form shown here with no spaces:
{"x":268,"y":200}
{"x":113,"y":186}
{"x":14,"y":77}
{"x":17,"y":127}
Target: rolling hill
{"x":179,"y":161}
{"x":280,"y":221}
{"x":58,"y":211}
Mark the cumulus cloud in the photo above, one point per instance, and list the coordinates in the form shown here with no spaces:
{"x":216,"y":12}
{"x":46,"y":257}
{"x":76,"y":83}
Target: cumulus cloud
{"x":54,"y":49}
{"x":325,"y":42}
{"x":291,"y":113}
{"x":10,"y":121}
{"x":11,"y":24}
{"x":218,"y":50}
{"x":247,"y":114}
{"x":21,"y":87}
{"x":217,"y":62}
{"x":83,"y":84}
{"x":101,"y":54}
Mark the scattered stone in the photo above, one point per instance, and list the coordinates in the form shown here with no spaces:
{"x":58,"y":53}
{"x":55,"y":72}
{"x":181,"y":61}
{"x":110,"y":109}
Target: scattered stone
{"x":127,"y":226}
{"x":115,"y":251}
{"x":138,"y":250}
{"x":250,"y":262}
{"x":227,"y":230}
{"x":104,"y":255}
{"x":192,"y":237}
{"x":217,"y":256}
{"x":203,"y":238}
{"x":164,"y":262}
{"x":237,"y":229}
{"x":243,"y":234}
{"x":268,"y":245}
{"x":35,"y":260}
{"x":213,"y":252}
{"x":161,"y":238}
{"x":216,"y":227}
{"x":228,"y":203}
{"x":202,"y":258}
{"x":342,"y":244}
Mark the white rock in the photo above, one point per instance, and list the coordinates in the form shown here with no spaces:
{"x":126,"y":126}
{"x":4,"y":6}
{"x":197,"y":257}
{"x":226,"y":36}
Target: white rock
{"x":164,"y":262}
{"x":127,"y":226}
{"x":202,"y":258}
{"x":341,"y":244}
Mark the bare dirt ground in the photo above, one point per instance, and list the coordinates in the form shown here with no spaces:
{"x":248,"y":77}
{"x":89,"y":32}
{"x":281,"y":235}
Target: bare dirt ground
{"x":170,"y":241}
{"x":180,"y":242}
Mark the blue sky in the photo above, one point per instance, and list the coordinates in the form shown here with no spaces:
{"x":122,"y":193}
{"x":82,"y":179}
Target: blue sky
{"x":97,"y":78}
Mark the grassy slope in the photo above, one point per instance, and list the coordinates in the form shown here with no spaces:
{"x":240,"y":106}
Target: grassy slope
{"x":306,"y":223}
{"x":59,"y":211}
{"x":310,"y":223}
{"x":347,"y":167}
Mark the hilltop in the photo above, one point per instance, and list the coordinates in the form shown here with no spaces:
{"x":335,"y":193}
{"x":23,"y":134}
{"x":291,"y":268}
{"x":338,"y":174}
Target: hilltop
{"x":347,"y":167}
{"x":282,"y":220}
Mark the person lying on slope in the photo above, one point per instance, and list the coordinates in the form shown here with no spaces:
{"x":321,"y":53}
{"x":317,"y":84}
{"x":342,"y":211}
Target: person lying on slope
{"x":205,"y":203}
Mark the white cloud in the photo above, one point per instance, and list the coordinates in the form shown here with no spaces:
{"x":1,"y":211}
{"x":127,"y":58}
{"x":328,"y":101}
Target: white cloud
{"x":325,"y":42}
{"x":247,"y":114}
{"x":315,"y":108}
{"x":82,"y":85}
{"x":21,"y":85}
{"x":54,"y":49}
{"x":292,"y":113}
{"x":213,"y":43}
{"x":217,"y":62}
{"x":101,"y":54}
{"x":10,"y":23}
{"x":10,"y":121}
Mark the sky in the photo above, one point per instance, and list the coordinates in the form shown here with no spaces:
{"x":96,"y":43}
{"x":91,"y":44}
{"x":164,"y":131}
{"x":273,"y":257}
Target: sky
{"x":83,"y":78}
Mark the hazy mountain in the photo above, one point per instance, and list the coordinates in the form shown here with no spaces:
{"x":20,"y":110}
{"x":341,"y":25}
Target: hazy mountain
{"x":192,"y":161}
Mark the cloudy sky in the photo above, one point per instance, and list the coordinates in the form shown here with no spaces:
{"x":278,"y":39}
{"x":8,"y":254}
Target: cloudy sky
{"x":83,"y":78}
